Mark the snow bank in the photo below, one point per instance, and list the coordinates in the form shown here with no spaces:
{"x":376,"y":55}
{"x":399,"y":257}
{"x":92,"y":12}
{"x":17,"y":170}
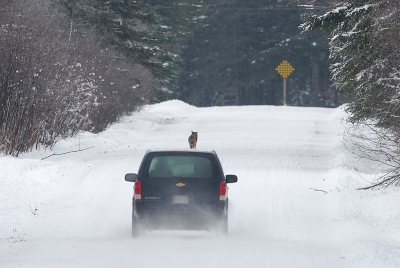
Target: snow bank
{"x":295,"y":205}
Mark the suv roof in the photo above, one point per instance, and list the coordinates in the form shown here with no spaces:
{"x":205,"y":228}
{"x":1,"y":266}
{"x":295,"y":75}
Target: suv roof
{"x":181,"y":150}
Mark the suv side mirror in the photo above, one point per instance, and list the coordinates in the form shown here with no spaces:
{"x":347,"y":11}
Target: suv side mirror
{"x":231,"y":178}
{"x":131,"y":177}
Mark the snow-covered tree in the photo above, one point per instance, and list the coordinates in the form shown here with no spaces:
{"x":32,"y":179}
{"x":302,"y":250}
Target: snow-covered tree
{"x":38,"y":106}
{"x":56,"y":80}
{"x":364,"y":44}
{"x":364,"y":38}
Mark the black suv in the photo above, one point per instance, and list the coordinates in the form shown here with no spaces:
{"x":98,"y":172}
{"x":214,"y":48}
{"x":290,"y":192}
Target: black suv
{"x":180,"y":190}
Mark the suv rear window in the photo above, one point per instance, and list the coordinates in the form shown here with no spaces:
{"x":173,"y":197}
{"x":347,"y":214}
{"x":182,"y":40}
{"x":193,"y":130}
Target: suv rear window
{"x":180,"y":166}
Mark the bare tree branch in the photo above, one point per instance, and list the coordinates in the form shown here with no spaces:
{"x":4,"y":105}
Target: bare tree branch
{"x":67,"y":152}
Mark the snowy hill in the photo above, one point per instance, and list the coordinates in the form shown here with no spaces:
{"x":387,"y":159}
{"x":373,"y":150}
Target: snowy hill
{"x":295,"y":205}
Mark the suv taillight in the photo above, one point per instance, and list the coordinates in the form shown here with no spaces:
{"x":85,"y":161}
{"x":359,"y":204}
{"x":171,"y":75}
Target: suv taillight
{"x":222,"y":191}
{"x":138,"y":190}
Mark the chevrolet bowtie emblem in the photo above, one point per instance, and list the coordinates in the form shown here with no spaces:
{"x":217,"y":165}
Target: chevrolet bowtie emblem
{"x":180,"y":184}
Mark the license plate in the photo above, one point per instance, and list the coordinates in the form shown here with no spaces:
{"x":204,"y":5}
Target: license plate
{"x":180,"y":199}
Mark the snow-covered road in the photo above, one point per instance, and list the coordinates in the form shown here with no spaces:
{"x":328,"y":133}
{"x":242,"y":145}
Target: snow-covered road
{"x":295,"y":205}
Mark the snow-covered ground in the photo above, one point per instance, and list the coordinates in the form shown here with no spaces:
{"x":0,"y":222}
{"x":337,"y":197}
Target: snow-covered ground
{"x":296,"y":203}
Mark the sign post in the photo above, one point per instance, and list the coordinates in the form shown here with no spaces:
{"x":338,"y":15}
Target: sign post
{"x":284,"y":69}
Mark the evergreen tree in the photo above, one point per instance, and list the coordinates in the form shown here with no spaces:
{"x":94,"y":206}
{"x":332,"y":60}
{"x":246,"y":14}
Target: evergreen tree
{"x":364,"y":44}
{"x":135,"y":29}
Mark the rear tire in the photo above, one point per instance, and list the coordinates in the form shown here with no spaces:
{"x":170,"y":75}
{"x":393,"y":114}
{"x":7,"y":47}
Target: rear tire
{"x":224,"y":222}
{"x":224,"y":226}
{"x":136,"y":228}
{"x":221,"y":226}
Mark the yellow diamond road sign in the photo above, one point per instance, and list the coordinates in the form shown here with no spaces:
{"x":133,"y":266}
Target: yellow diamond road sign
{"x":284,"y":69}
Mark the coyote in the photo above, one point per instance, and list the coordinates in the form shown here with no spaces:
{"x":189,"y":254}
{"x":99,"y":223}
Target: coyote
{"x":193,"y":140}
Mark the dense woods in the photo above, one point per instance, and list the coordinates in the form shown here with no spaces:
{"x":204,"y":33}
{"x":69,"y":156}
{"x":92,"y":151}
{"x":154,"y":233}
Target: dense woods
{"x":234,"y":50}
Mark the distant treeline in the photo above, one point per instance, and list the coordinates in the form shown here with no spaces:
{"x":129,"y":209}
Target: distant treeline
{"x":231,"y":56}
